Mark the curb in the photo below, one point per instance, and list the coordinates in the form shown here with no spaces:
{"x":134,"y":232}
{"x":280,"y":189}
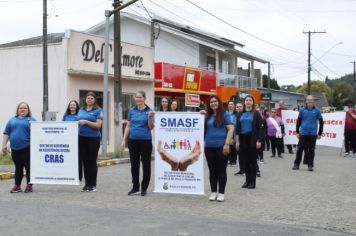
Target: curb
{"x":6,"y":175}
{"x":103,"y":163}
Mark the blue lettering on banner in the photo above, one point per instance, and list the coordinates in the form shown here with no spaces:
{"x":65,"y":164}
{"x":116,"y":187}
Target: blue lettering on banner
{"x":54,"y":158}
{"x":179,"y":123}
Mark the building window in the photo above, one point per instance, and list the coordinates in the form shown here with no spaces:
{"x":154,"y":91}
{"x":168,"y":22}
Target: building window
{"x":210,"y":63}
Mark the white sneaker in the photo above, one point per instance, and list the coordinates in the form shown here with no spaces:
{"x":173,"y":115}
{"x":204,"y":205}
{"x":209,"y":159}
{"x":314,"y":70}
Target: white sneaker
{"x":213,"y":196}
{"x":221,"y":197}
{"x":346,"y":154}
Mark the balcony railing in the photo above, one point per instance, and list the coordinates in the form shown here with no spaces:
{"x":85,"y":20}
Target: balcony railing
{"x":229,"y":80}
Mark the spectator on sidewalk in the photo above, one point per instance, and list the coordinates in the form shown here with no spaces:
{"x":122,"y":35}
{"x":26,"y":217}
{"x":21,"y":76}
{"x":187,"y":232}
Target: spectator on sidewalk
{"x":90,"y":118}
{"x":307,"y":132}
{"x":139,"y":139}
{"x":275,"y":133}
{"x":350,"y":130}
{"x":219,"y":133}
{"x":248,"y":139}
{"x":17,"y":131}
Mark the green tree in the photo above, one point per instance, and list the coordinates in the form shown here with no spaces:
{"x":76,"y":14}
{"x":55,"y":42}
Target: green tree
{"x":273,"y":83}
{"x":318,"y":87}
{"x":341,"y":92}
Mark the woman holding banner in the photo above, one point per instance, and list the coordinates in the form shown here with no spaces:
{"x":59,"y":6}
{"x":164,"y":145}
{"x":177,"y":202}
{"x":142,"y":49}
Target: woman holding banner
{"x":218,"y":137}
{"x":71,"y":114}
{"x":275,"y":132}
{"x":248,"y":140}
{"x":90,"y":120}
{"x":138,"y":132}
{"x":17,"y":130}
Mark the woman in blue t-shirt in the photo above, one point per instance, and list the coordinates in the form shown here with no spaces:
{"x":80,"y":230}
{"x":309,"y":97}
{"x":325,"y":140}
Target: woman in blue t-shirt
{"x":90,"y":120}
{"x":17,"y":130}
{"x":138,"y":134}
{"x":218,"y":137}
{"x":248,"y":139}
{"x":71,"y":114}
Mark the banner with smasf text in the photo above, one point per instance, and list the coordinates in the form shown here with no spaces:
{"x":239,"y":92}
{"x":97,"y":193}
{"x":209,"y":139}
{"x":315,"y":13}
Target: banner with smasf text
{"x":178,"y":148}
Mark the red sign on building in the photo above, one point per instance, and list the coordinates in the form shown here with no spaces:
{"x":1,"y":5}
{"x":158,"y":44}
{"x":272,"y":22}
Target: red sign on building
{"x":176,"y":78}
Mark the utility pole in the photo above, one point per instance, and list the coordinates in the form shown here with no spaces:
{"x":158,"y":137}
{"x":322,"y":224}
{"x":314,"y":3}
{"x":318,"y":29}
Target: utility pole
{"x":45,"y":63}
{"x":354,"y":81}
{"x":309,"y":52}
{"x":117,"y":78}
{"x":269,"y":84}
{"x":117,"y":75}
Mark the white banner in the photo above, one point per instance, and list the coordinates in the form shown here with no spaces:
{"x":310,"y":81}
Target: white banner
{"x":54,"y":153}
{"x":179,"y":148}
{"x":333,"y":132}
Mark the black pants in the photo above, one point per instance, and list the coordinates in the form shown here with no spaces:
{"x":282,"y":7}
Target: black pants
{"x":289,"y":147}
{"x":140,"y":150}
{"x":276,"y":143}
{"x":217,"y":164}
{"x":307,"y":144}
{"x":267,"y":143}
{"x":350,"y":140}
{"x":21,"y":159}
{"x":88,"y":154}
{"x":250,"y":156}
{"x":260,"y":151}
{"x":233,"y":154}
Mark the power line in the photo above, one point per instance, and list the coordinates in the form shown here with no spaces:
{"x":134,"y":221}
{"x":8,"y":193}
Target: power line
{"x":149,"y":15}
{"x":243,"y":31}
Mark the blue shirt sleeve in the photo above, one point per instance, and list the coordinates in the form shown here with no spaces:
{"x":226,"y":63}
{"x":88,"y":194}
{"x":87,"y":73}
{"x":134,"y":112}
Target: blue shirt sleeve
{"x":129,"y":116}
{"x":7,"y":130}
{"x":319,"y":115}
{"x":228,"y":119}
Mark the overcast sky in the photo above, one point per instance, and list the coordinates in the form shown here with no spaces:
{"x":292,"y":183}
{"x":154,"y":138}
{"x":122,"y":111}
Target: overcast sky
{"x":277,"y":23}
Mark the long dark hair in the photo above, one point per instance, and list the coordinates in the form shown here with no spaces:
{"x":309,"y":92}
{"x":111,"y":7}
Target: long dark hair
{"x":253,"y":105}
{"x":68,"y":109}
{"x":220,"y":112}
{"x":169,"y":104}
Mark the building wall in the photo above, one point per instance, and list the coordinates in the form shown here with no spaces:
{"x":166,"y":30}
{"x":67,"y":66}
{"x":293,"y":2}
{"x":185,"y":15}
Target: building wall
{"x":23,"y":67}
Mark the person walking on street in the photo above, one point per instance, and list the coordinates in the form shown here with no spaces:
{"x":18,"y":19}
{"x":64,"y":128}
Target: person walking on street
{"x":139,"y":140}
{"x":239,"y":108}
{"x":248,"y":140}
{"x":17,"y":131}
{"x":350,"y":131}
{"x":275,"y":133}
{"x":90,"y":118}
{"x":307,"y":132}
{"x":218,"y":136}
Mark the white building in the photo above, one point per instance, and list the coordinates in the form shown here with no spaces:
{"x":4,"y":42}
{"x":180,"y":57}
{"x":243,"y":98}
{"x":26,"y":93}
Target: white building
{"x":75,"y":67}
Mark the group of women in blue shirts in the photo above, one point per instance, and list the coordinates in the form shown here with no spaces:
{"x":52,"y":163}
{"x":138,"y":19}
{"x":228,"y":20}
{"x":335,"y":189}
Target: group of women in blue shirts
{"x":89,"y":118}
{"x":222,"y":130}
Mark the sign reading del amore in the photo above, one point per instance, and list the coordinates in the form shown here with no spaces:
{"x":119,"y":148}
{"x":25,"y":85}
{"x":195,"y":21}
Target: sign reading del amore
{"x":86,"y":54}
